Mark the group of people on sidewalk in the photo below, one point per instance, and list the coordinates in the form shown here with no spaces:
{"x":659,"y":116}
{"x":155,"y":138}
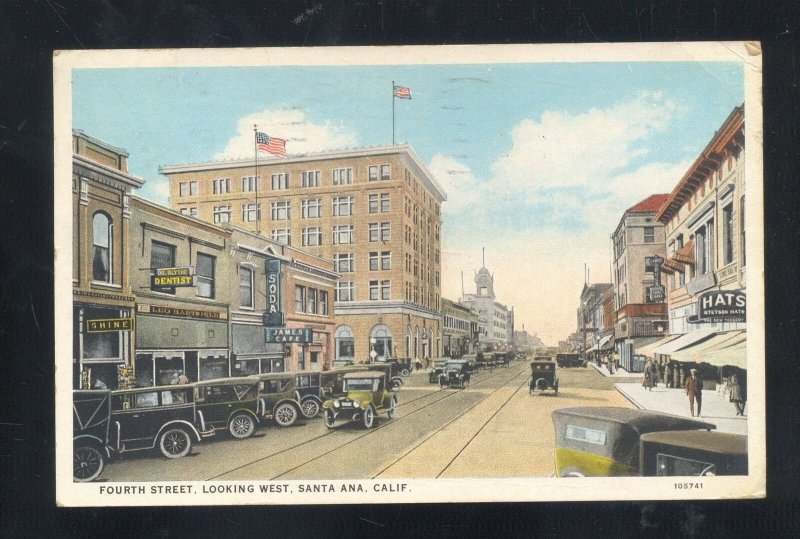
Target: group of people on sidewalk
{"x":734,"y":385}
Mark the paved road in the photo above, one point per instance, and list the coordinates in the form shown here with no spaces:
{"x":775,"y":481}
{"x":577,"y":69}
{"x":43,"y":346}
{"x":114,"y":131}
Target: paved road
{"x":493,"y":428}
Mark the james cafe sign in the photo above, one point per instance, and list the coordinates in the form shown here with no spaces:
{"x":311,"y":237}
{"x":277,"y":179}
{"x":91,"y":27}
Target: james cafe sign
{"x":721,"y":306}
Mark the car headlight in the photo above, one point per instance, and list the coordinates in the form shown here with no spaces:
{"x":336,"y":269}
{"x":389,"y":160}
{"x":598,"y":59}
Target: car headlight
{"x":336,"y":404}
{"x":356,"y":404}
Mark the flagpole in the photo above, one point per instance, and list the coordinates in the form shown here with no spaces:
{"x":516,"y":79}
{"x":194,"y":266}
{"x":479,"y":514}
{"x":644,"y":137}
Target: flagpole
{"x":393,"y":113}
{"x":255,"y":149}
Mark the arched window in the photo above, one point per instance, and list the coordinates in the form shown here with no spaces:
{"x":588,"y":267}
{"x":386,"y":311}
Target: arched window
{"x":380,"y":340}
{"x":101,"y":247}
{"x":345,"y":343}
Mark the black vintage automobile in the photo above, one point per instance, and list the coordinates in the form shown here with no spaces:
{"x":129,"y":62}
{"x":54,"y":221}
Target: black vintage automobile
{"x":436,"y":370}
{"x":280,"y":400}
{"x":230,"y":404}
{"x":456,"y":374}
{"x":544,"y":374}
{"x":570,"y":360}
{"x":485,"y":360}
{"x":692,"y":453}
{"x":91,"y":415}
{"x":400,"y":366}
{"x":311,"y":389}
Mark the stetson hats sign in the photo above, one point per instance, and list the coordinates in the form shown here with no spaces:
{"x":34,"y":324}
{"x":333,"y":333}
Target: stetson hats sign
{"x":721,"y":306}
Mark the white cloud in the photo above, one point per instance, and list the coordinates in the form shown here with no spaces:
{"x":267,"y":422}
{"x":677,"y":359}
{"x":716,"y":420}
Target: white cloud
{"x":302,"y":135}
{"x":458,"y":181}
{"x":157,"y":190}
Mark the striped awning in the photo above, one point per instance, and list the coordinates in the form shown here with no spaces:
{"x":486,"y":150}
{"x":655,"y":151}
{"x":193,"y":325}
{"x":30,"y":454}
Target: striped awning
{"x":717,"y":342}
{"x":685,"y":255}
{"x":671,"y":266}
{"x":735,"y":356}
{"x":648,"y":349}
{"x":684,"y":341}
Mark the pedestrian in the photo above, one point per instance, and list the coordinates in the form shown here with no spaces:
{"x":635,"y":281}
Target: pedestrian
{"x":182,"y":379}
{"x":738,"y":395}
{"x":647,"y":382}
{"x":694,"y":389}
{"x":668,"y":376}
{"x":175,"y":379}
{"x":417,"y":364}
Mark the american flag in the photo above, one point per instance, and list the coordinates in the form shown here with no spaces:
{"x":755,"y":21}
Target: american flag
{"x":402,"y":92}
{"x":273,"y":145}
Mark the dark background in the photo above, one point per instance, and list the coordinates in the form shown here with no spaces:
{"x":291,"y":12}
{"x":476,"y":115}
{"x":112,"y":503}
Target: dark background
{"x":30,"y":30}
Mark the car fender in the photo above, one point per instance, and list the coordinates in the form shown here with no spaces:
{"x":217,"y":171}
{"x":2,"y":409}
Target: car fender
{"x":92,"y":440}
{"x":293,"y":402}
{"x":243,"y":411}
{"x":177,"y":422}
{"x":312,"y":397}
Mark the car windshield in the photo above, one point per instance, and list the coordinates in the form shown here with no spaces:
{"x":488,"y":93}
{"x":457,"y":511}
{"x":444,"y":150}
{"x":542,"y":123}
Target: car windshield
{"x":360,"y":384}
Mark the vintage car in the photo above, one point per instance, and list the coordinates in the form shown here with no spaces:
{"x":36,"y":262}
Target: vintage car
{"x":365,"y":396}
{"x":544,"y":374}
{"x":399,"y":366}
{"x":456,"y":373}
{"x":280,"y":400}
{"x":502,"y":358}
{"x":605,"y":441}
{"x":436,"y":370}
{"x":230,"y":404}
{"x":570,"y":360}
{"x":485,"y":360}
{"x":91,"y":415}
{"x":391,"y":369}
{"x":311,"y":388}
{"x":692,"y":453}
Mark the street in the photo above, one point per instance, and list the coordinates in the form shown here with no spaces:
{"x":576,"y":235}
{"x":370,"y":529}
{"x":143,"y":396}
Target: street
{"x":493,"y":428}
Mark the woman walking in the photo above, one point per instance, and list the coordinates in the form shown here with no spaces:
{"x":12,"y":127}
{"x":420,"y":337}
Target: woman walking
{"x":738,"y":396}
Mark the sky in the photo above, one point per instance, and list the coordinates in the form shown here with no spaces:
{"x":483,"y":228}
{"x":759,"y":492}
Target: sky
{"x":539,"y":161}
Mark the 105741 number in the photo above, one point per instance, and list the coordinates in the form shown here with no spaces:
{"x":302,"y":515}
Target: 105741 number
{"x":688,"y":486}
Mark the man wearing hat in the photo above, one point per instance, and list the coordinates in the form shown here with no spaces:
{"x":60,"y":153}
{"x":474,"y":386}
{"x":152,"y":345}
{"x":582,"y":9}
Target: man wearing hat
{"x":694,"y":388}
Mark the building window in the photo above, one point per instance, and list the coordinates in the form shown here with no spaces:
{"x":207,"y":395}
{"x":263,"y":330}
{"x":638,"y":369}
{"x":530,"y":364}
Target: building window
{"x":741,"y":231}
{"x":386,"y":290}
{"x":311,"y":208}
{"x":251,"y":212}
{"x":373,"y":203}
{"x":374,"y":290}
{"x":345,"y":291}
{"x":204,"y":275}
{"x":281,"y":210}
{"x":373,"y":173}
{"x":386,"y":172}
{"x":678,"y":247}
{"x":222,"y":214}
{"x":299,"y":298}
{"x":380,"y":261}
{"x":649,"y":234}
{"x":311,"y":178}
{"x":280,"y":181}
{"x":102,"y":242}
{"x":385,"y":203}
{"x":345,"y":343}
{"x":312,"y":301}
{"x":379,"y":232}
{"x":162,"y":255}
{"x":344,"y":262}
{"x":282,"y":235}
{"x":192,"y":212}
{"x":188,"y":189}
{"x":246,"y":287}
{"x":312,"y":236}
{"x":379,"y":290}
{"x":249,"y":184}
{"x":343,"y":234}
{"x":380,"y":340}
{"x":323,"y":302}
{"x":342,"y":206}
{"x":727,"y":233}
{"x":222,"y":186}
{"x":379,"y":203}
{"x":342,"y":176}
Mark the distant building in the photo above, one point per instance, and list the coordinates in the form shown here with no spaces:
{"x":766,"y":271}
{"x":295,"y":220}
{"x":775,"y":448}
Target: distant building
{"x":596,"y":317}
{"x":493,"y":316}
{"x":460,"y":329}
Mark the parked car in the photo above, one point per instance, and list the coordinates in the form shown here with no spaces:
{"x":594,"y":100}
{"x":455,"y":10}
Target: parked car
{"x":401,"y":366}
{"x":365,"y":395}
{"x":456,"y":374}
{"x":605,"y":441}
{"x":570,"y":360}
{"x":311,"y":392}
{"x":436,"y":370}
{"x":280,"y":400}
{"x":544,"y":374}
{"x":391,"y":369}
{"x":91,"y":416}
{"x":692,"y":453}
{"x":230,"y":404}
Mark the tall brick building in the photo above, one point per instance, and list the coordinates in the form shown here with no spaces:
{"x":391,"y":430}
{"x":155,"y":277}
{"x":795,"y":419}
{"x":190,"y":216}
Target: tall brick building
{"x":374,"y":211}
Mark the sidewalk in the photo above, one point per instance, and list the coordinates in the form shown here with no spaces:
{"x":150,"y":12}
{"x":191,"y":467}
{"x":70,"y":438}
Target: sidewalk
{"x":716,"y":408}
{"x":619,"y":373}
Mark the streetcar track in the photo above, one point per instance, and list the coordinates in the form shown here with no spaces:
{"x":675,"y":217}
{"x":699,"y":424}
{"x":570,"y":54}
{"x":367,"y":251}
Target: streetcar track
{"x":351,"y":440}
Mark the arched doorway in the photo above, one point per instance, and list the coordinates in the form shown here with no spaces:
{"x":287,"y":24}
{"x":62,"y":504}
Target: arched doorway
{"x":345,"y":343}
{"x":380,"y":340}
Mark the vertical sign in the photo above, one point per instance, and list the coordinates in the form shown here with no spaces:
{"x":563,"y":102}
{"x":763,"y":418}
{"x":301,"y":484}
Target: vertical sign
{"x":273,"y":315}
{"x":656,"y":293}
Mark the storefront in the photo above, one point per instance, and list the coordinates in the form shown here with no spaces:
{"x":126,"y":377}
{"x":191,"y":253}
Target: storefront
{"x":102,"y":343}
{"x":250,"y":354}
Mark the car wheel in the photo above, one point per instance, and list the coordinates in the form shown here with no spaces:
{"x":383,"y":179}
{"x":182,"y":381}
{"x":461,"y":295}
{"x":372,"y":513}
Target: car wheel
{"x":242,"y":426}
{"x":466,"y":383}
{"x":368,"y":417}
{"x":330,"y":418}
{"x":310,"y":408}
{"x":396,"y":383}
{"x":405,"y":372}
{"x":392,"y":406}
{"x":175,"y":443}
{"x":87,"y":463}
{"x":572,"y":472}
{"x":285,"y":414}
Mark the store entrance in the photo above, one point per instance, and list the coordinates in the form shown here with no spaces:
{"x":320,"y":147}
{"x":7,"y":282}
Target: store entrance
{"x":191,"y":365}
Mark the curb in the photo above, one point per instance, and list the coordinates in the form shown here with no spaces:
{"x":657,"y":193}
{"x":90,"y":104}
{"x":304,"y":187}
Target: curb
{"x":627,"y":396}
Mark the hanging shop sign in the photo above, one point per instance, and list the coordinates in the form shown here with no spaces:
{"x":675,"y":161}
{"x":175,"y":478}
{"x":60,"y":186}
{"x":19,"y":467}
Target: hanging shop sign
{"x":288,"y":335}
{"x":109,"y":324}
{"x":172,"y":277}
{"x":655,"y":293}
{"x":720,"y":306}
{"x":273,"y":315}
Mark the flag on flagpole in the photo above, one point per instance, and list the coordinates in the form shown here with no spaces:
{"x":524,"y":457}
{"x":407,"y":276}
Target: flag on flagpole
{"x":273,"y":145}
{"x":403,"y":92}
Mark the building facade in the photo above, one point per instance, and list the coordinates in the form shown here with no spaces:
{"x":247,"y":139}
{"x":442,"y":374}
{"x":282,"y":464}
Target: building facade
{"x":596,"y":317}
{"x":639,"y":248}
{"x":374,"y":211}
{"x":103,"y":301}
{"x":495,"y":324}
{"x":460,"y":329}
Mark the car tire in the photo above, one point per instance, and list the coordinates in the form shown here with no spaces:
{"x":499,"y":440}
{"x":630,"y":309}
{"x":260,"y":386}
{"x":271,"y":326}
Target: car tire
{"x":285,"y":414}
{"x":310,"y":408}
{"x":242,"y":426}
{"x":465,"y":384}
{"x":392,"y":406}
{"x":175,"y":443}
{"x":405,"y":372}
{"x":330,"y":418}
{"x":368,"y":417}
{"x":572,"y":472}
{"x":88,"y":463}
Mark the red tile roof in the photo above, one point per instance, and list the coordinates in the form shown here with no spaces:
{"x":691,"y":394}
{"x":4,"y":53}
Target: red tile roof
{"x":652,"y":203}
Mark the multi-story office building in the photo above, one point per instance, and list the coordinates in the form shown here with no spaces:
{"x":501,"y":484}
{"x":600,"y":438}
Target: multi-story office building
{"x":460,"y":328}
{"x":596,"y":317}
{"x":641,"y":309}
{"x":101,"y":287}
{"x":374,"y":211}
{"x":493,"y":316}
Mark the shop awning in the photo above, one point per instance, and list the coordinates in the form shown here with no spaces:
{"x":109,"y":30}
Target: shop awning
{"x":648,"y":349}
{"x":683,"y":341}
{"x":717,"y":342}
{"x":685,"y":255}
{"x":735,"y":356}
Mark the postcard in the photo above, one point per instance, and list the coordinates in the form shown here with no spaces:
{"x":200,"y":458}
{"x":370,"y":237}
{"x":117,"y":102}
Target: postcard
{"x":409,"y":274}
